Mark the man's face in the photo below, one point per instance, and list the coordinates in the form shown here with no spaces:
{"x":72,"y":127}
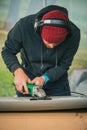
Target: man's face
{"x":49,"y":45}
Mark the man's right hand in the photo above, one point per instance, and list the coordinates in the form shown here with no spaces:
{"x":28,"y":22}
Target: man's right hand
{"x":20,"y":81}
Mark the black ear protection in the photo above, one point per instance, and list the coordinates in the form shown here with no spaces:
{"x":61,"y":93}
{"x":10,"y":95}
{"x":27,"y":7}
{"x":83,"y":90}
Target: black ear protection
{"x":52,"y":22}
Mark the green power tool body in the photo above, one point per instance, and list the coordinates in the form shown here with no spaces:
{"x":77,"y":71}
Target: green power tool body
{"x":36,"y":90}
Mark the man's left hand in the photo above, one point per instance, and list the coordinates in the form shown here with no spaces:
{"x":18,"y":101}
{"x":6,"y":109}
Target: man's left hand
{"x":38,"y":81}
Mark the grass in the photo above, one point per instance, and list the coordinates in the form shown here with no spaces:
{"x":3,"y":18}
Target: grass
{"x":6,"y":78}
{"x":6,"y":83}
{"x":80,"y":59}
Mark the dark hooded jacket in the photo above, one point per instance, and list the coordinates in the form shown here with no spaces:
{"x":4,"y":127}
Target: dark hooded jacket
{"x":36,"y":58}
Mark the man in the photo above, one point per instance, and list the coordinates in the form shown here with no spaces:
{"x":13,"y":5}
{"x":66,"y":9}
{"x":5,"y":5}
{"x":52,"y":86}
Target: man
{"x":48,"y":42}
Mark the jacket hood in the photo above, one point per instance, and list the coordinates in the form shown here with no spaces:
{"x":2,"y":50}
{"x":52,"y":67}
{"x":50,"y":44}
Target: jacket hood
{"x":50,"y":8}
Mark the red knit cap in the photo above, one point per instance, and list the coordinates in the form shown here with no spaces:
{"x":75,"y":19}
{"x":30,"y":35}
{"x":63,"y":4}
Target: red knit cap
{"x":54,"y":34}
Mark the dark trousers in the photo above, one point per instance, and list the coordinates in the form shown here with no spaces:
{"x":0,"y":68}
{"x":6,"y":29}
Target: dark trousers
{"x":57,"y":88}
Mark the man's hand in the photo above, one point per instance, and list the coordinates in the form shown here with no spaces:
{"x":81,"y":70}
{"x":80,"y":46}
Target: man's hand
{"x":38,"y":81}
{"x":20,"y":81}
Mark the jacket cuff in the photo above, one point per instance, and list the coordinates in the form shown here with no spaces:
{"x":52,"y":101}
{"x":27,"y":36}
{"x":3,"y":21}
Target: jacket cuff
{"x":14,"y":67}
{"x":46,"y":78}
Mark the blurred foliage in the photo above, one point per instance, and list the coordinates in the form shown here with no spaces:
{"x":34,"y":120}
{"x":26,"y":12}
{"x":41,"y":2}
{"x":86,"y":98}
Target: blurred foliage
{"x":6,"y":78}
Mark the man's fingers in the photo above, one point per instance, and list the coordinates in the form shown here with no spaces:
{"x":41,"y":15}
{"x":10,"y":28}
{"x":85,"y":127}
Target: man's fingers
{"x":37,"y":83}
{"x":19,"y":88}
{"x":26,"y":91}
{"x":29,"y":81}
{"x":22,"y":88}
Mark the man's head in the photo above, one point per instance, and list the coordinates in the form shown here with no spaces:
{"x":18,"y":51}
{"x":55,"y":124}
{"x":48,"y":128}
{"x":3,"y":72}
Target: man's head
{"x":54,"y":35}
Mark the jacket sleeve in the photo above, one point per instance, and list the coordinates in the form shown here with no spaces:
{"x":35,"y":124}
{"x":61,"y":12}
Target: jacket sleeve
{"x":66,"y":60}
{"x":12,"y":46}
